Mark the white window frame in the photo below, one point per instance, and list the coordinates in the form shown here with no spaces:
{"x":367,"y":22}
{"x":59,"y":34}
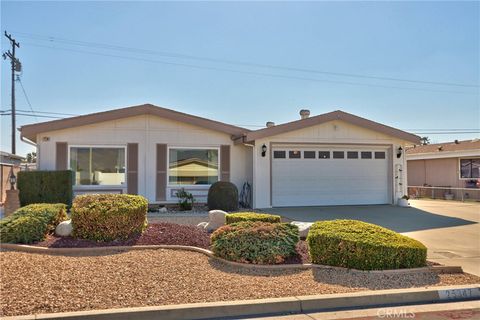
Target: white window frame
{"x":460,"y":168}
{"x":191,"y":186}
{"x":103,"y":186}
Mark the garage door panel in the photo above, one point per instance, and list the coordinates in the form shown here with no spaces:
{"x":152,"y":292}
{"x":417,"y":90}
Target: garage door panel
{"x":298,"y":182}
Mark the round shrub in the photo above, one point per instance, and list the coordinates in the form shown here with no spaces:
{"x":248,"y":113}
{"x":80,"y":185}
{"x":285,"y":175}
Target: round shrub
{"x":223,"y":195}
{"x":255,"y":242}
{"x":32,"y":223}
{"x":252,"y":216}
{"x":365,"y":246}
{"x":108,"y":217}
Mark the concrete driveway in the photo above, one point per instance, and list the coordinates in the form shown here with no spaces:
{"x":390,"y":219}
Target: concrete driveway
{"x":449,"y":229}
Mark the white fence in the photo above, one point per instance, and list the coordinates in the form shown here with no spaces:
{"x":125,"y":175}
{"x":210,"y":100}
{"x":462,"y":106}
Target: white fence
{"x":445,"y":193}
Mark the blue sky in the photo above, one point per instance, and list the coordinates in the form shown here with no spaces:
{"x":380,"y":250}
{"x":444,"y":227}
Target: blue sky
{"x":425,"y":41}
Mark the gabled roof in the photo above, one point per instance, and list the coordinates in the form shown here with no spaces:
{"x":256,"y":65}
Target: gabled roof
{"x":326,"y":117}
{"x":31,"y":131}
{"x":439,"y":148}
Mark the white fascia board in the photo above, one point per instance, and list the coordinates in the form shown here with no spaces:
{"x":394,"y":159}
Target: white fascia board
{"x":444,"y":154}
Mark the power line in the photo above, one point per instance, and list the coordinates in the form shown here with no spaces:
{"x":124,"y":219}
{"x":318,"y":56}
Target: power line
{"x":232,"y":62}
{"x":26,"y":97}
{"x":31,"y":115}
{"x":244,"y":72}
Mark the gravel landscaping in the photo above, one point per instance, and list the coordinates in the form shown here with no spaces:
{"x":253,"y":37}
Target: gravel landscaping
{"x":38,"y":283}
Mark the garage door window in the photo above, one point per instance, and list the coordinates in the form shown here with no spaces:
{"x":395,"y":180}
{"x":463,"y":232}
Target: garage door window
{"x":309,"y":154}
{"x":279,"y":154}
{"x":294,"y":154}
{"x":324,"y":154}
{"x":352,"y":154}
{"x":338,"y":154}
{"x":366,"y":155}
{"x":379,"y":155}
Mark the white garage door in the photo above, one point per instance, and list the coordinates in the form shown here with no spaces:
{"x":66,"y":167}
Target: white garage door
{"x":330,"y":176}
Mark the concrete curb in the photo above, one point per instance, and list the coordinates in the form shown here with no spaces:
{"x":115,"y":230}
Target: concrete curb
{"x":44,"y":250}
{"x":289,"y":305}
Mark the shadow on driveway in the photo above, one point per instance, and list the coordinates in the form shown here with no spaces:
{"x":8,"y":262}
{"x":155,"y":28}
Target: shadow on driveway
{"x":388,"y":216}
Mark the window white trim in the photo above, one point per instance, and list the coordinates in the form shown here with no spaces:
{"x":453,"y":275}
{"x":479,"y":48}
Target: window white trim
{"x":459,"y":166}
{"x":191,"y":186}
{"x":96,"y":186}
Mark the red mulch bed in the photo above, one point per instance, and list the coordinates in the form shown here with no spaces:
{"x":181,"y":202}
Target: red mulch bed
{"x":161,"y":233}
{"x":156,"y":233}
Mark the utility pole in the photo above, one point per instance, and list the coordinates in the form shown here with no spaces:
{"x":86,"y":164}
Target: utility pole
{"x":16,"y":66}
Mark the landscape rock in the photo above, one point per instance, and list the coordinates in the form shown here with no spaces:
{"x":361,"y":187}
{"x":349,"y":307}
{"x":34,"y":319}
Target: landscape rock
{"x":216,"y":219}
{"x":163,"y":210}
{"x":64,"y":229}
{"x":303,"y":227}
{"x":202,"y":225}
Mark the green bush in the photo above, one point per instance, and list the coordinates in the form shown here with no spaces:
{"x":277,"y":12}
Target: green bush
{"x":360,"y":245}
{"x":107,"y":217}
{"x":32,"y":223}
{"x":223,"y":195}
{"x":45,"y":187}
{"x":255,"y":242}
{"x":252,"y":216}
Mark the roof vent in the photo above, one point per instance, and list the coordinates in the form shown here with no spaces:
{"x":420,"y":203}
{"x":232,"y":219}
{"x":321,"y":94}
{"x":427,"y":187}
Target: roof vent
{"x":456,"y":141}
{"x":270,"y":124}
{"x":440,"y":148}
{"x":304,"y":113}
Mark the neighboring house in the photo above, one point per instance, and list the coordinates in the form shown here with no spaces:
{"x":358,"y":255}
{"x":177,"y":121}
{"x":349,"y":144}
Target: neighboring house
{"x":450,"y":164}
{"x":8,"y":163}
{"x":331,"y":159}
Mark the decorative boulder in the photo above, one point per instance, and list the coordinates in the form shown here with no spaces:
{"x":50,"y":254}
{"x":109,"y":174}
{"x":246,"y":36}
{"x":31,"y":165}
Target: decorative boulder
{"x":64,"y":229}
{"x":216,"y":219}
{"x":303,"y":228}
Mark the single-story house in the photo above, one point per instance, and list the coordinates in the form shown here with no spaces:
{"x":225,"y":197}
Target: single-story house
{"x":334,"y":158}
{"x":447,"y":165}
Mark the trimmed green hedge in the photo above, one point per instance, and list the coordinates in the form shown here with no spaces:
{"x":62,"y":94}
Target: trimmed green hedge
{"x":223,"y":195}
{"x":32,"y":223}
{"x":252,"y":216}
{"x":45,"y":187}
{"x":365,"y":246}
{"x":255,"y":242}
{"x":108,"y":217}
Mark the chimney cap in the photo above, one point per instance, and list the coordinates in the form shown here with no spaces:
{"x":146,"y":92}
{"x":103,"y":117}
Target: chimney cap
{"x":304,"y":113}
{"x":270,"y":124}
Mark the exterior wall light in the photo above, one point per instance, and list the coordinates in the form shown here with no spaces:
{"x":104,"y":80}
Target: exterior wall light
{"x":13,"y":180}
{"x":399,"y":152}
{"x":264,"y":150}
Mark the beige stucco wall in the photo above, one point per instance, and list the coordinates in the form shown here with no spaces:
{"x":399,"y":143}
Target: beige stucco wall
{"x":333,"y":132}
{"x":147,"y":131}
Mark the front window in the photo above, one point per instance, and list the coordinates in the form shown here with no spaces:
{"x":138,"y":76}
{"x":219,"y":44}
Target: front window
{"x":193,"y":166}
{"x":470,"y":168}
{"x":98,"y":165}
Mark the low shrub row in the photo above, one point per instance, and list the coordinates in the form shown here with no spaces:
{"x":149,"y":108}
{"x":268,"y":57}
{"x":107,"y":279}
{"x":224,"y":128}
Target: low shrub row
{"x":252,"y":216}
{"x":32,"y":223}
{"x":108,"y":217}
{"x":360,"y":245}
{"x":255,"y":242}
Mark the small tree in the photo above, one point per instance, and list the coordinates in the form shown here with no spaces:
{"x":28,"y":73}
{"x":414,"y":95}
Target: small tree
{"x":32,"y":157}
